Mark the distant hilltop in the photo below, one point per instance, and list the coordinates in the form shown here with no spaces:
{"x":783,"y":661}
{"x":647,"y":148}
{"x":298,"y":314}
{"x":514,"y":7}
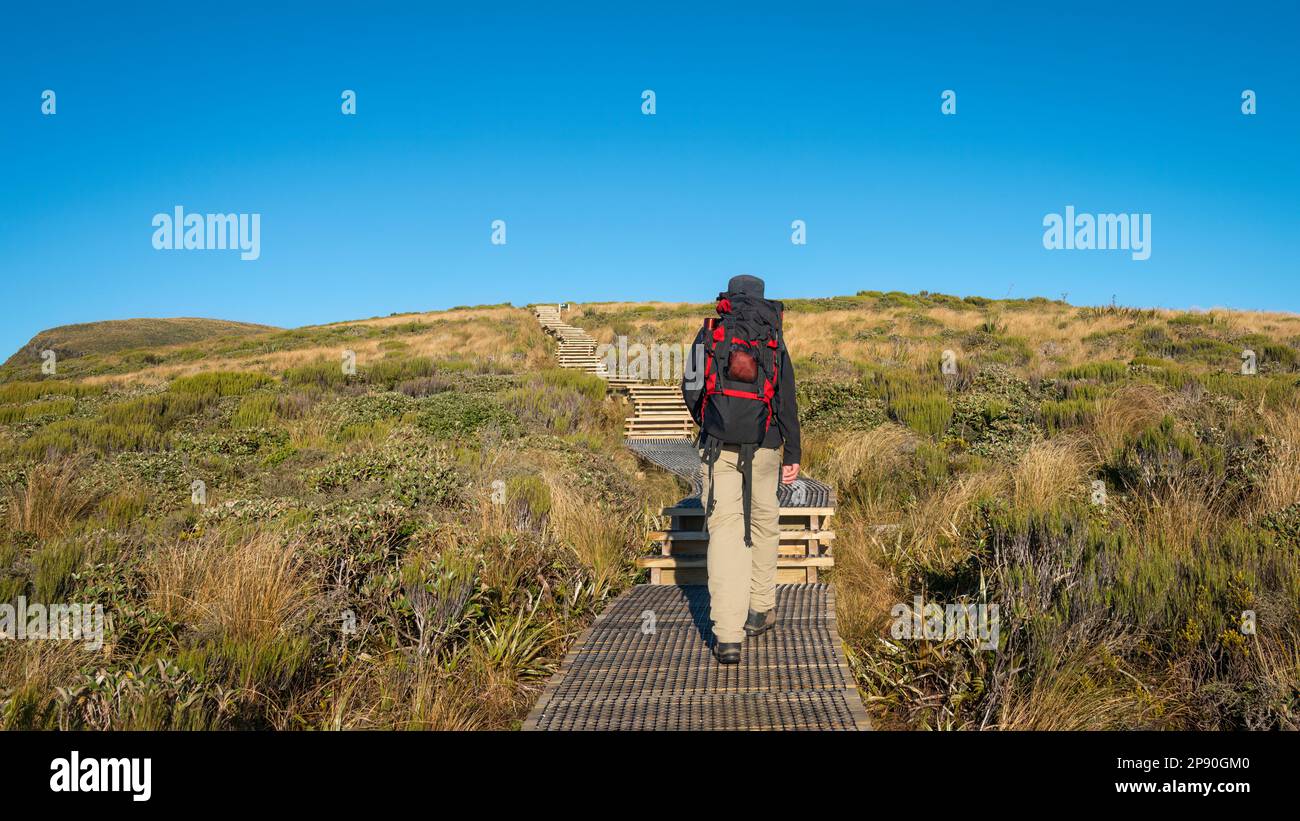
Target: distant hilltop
{"x":113,"y":335}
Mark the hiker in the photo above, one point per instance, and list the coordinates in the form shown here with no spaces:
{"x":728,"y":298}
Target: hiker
{"x":743,"y":399}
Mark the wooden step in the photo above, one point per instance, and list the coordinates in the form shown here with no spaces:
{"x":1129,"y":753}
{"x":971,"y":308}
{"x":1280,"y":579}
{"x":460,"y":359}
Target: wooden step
{"x":702,"y":561}
{"x":657,"y":419}
{"x":703,"y":536}
{"x":643,"y":432}
{"x":693,"y":511}
{"x":694,"y":569}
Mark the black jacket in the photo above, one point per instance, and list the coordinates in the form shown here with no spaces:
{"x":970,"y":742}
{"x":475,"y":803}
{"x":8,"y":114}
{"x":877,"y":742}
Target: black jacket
{"x":785,"y":410}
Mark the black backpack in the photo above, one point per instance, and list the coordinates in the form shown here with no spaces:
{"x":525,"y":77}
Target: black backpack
{"x":742,"y":367}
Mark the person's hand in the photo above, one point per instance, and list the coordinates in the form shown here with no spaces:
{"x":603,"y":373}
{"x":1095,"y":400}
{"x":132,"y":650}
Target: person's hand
{"x":789,"y":473}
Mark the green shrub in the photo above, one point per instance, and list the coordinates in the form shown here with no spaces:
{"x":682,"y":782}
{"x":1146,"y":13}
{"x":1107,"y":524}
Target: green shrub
{"x":1068,"y":413}
{"x":828,"y":405}
{"x":216,"y":384}
{"x":369,"y":408}
{"x":453,"y":414}
{"x":256,"y":410}
{"x":36,"y":411}
{"x":28,"y":391}
{"x":926,"y":413}
{"x":67,"y":436}
{"x":412,"y":475}
{"x":1099,"y":371}
{"x":997,"y":414}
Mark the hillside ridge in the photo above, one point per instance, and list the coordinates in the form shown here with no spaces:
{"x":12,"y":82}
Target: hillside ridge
{"x":114,"y":335}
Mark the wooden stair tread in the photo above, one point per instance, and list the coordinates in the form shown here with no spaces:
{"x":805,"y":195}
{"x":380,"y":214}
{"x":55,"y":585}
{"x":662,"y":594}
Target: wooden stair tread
{"x":702,"y":561}
{"x":703,"y":535}
{"x":698,"y":512}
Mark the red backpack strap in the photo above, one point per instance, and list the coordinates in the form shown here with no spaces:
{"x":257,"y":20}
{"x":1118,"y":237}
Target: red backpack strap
{"x":769,"y":387}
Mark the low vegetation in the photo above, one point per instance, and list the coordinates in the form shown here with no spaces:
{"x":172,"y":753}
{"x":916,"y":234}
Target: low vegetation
{"x":1121,"y":604}
{"x":284,"y":542}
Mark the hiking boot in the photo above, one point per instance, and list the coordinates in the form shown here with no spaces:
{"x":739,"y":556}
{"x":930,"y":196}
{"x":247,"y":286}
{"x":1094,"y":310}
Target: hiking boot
{"x":727,"y":652}
{"x":759,"y":623}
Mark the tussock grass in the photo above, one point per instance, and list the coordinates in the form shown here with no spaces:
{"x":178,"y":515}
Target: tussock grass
{"x":9,"y":414}
{"x":219,"y":383}
{"x":1048,"y":475}
{"x":51,"y":502}
{"x":1280,"y":486}
{"x":938,"y":528}
{"x":374,"y":495}
{"x":597,"y":538}
{"x":237,"y":588}
{"x":1123,"y":413}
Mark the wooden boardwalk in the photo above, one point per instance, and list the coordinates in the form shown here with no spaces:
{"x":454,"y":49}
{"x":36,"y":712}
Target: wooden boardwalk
{"x":645,"y":663}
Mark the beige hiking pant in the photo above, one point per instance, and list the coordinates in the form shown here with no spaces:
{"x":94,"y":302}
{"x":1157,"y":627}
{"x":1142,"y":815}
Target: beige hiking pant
{"x":741,"y":578}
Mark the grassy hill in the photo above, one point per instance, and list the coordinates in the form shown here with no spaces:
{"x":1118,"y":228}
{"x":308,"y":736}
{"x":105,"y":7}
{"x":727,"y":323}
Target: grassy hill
{"x":415,"y":544}
{"x":123,"y":336}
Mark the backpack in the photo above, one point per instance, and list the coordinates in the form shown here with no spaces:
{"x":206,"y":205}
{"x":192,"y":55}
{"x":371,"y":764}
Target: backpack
{"x":742,"y":367}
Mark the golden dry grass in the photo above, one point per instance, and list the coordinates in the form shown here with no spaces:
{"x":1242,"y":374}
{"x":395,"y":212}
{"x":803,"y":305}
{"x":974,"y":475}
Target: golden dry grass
{"x":241,"y":588}
{"x":597,"y":539}
{"x":49,"y":504}
{"x":1048,"y":473}
{"x":1082,"y":694}
{"x":490,"y":333}
{"x":864,"y":588}
{"x":868,"y":456}
{"x":935,"y":530}
{"x":1128,"y":410}
{"x":1281,"y":485}
{"x":1059,"y":335}
{"x":1176,"y":522}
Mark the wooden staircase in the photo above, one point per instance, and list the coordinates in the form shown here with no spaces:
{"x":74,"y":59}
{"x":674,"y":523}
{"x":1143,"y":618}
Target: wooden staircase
{"x":658,"y":412}
{"x":577,"y":349}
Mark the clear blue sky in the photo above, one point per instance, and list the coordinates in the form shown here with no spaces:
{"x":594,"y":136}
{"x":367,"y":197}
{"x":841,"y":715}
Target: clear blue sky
{"x":766,"y":113}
